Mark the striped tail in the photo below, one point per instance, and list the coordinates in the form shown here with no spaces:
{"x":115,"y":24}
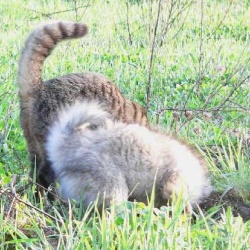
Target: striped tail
{"x":38,"y":47}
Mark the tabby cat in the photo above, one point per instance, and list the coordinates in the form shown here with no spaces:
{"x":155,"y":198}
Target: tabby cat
{"x":40,"y":100}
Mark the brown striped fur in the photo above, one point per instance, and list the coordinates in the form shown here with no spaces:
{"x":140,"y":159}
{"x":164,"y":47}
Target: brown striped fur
{"x":40,"y":100}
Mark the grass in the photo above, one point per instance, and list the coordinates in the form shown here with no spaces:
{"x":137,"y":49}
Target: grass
{"x":200,"y":64}
{"x":132,"y":226}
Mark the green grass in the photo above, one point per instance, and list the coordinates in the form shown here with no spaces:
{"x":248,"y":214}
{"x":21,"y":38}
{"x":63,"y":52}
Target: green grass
{"x":129,"y":226}
{"x":200,"y":67}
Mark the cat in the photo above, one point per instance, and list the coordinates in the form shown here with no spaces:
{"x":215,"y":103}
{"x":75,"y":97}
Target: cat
{"x":95,"y":157}
{"x":40,"y":100}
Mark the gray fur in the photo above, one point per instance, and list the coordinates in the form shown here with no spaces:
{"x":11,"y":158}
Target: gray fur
{"x":119,"y":161}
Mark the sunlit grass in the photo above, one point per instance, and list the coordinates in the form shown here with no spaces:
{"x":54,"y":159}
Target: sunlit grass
{"x":205,"y":54}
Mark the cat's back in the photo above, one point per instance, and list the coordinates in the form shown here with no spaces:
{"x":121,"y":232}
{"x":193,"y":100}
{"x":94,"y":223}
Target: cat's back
{"x":66,"y":90}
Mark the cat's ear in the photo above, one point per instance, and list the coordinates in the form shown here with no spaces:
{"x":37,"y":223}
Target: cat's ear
{"x":87,"y":126}
{"x":82,"y":127}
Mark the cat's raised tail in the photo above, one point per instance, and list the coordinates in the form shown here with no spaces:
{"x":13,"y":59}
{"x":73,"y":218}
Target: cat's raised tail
{"x":38,"y":47}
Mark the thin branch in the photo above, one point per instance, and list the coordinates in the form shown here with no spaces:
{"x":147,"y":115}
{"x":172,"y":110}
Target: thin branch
{"x":216,"y":109}
{"x":56,"y":12}
{"x":4,"y":190}
{"x":200,"y":60}
{"x":215,"y":90}
{"x":10,"y":209}
{"x":233,"y":90}
{"x":76,"y":10}
{"x":128,"y":24}
{"x":225,"y":193}
{"x":13,"y":190}
{"x":152,"y":55}
{"x":172,"y":17}
{"x":222,"y":19}
{"x":47,"y":190}
{"x":167,"y":24}
{"x":201,"y":56}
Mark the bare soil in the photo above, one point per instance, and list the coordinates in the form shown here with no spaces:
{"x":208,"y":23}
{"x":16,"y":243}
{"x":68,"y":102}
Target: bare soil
{"x":227,"y":199}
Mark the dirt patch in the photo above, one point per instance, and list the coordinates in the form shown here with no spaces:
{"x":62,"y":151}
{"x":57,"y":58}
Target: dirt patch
{"x":227,"y":199}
